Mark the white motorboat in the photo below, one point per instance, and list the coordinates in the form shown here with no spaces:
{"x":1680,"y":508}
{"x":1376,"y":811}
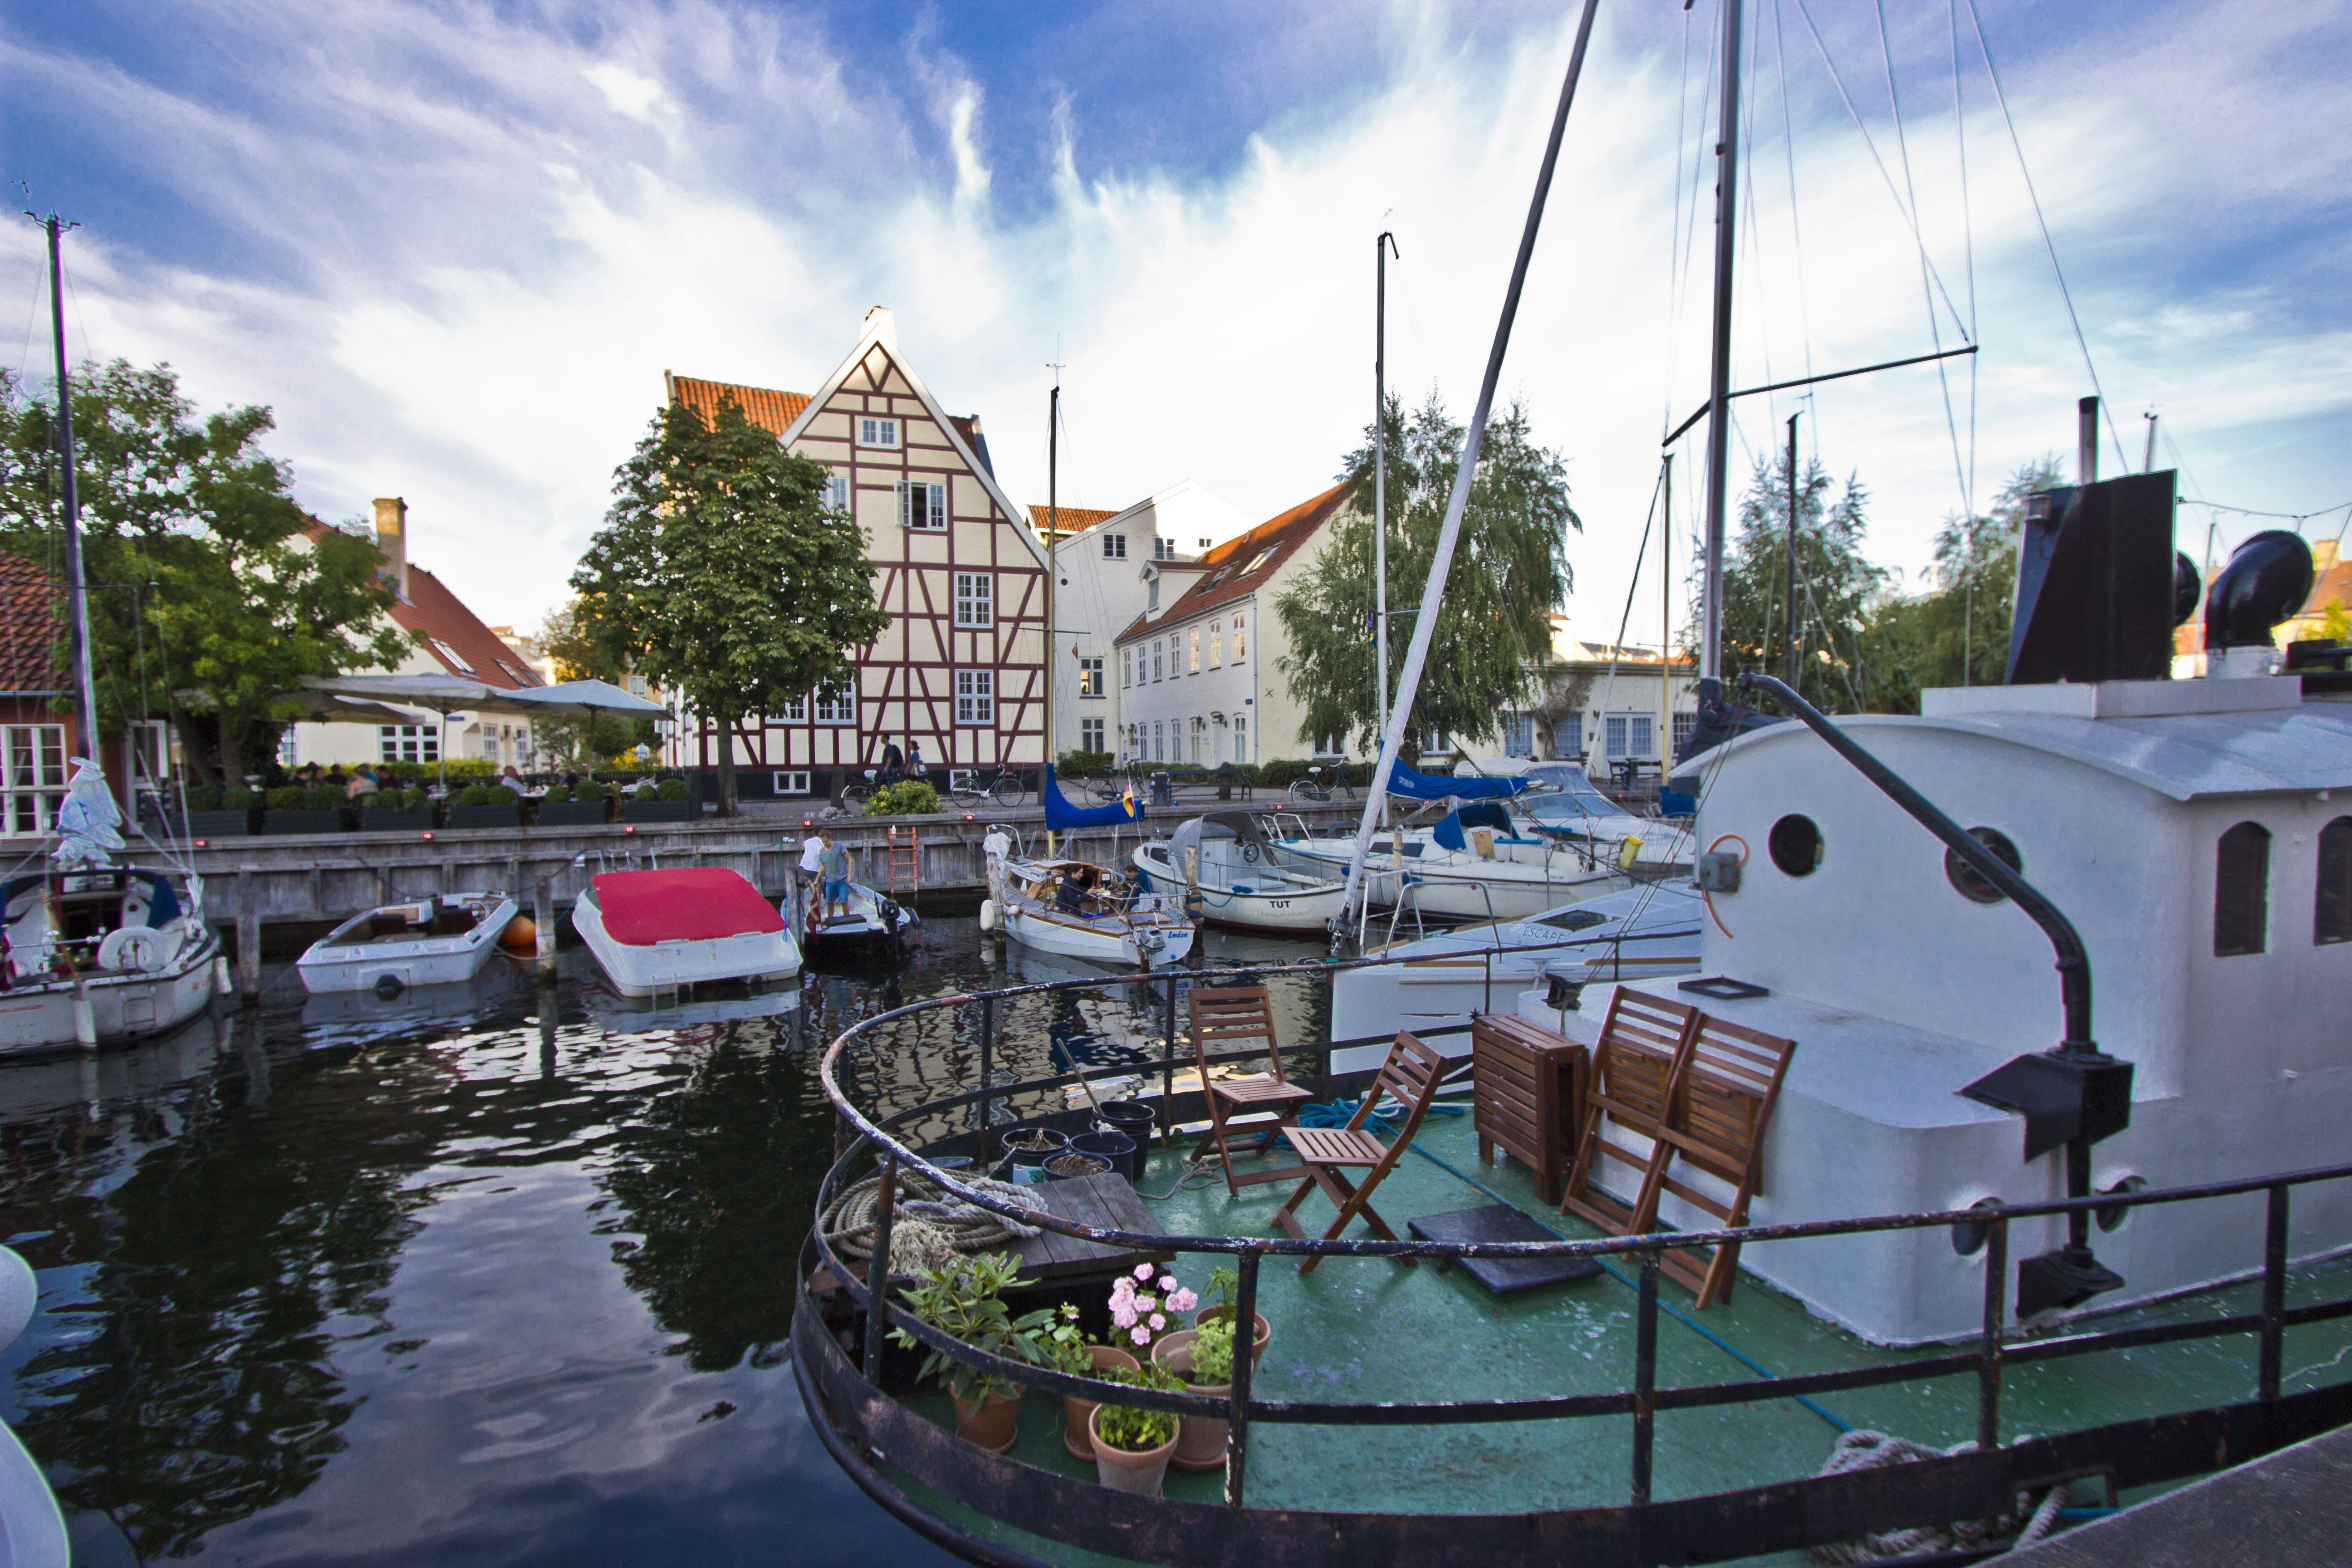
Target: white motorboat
{"x":443,"y":940}
{"x":372,"y":1015}
{"x":1435,"y":982}
{"x":661,"y":932}
{"x":1474,"y":864}
{"x":1231,"y":873}
{"x":872,"y":922}
{"x":1079,"y":910}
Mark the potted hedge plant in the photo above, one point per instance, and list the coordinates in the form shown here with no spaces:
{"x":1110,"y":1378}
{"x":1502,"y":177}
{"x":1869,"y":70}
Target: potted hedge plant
{"x":1062,"y":1348}
{"x":965,"y":1302}
{"x":1224,"y":1284}
{"x":212,"y":811}
{"x":486,"y":805}
{"x":1132,"y":1447}
{"x":665,"y":801}
{"x":908,"y":798}
{"x":581,"y":807}
{"x":1203,"y":1359}
{"x":291,"y":808}
{"x":396,"y":811}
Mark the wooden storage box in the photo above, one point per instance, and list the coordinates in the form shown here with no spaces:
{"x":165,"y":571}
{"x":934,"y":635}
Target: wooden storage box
{"x":1529,"y":1095}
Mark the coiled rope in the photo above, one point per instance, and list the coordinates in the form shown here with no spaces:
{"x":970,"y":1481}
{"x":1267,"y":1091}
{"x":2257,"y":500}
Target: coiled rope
{"x":1860,"y":1450}
{"x":929,"y":1228}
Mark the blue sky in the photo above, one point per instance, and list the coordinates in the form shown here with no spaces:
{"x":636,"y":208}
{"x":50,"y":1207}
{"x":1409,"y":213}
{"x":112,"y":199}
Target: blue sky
{"x":455,"y":245}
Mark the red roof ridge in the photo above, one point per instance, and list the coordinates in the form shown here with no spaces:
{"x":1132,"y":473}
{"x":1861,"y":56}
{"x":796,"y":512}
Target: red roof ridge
{"x":763,"y":405}
{"x":1073,"y":519}
{"x":1282,"y":532}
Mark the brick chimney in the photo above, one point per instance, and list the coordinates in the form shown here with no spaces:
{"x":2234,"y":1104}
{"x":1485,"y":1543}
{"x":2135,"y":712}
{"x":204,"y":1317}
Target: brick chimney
{"x":392,"y":540}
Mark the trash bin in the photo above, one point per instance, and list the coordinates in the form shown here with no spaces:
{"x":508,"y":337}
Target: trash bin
{"x":1163,"y":789}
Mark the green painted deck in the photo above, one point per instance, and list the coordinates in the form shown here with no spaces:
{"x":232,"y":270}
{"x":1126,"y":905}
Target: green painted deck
{"x":1372,"y":1329}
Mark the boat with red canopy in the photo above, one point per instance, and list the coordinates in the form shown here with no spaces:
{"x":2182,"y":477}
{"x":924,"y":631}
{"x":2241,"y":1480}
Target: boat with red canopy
{"x":668,"y":929}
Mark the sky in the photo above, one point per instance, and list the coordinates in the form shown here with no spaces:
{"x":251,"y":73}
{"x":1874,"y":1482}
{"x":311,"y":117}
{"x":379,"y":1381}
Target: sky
{"x":453,"y":246}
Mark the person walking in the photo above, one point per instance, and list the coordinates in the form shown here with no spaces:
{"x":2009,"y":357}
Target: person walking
{"x":833,"y":865}
{"x":916,"y":767}
{"x":894,"y":763}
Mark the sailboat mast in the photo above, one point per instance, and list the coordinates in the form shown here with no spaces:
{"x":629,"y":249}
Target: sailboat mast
{"x":1718,"y":394}
{"x":1380,"y":248}
{"x":77,"y":598}
{"x":1665,"y":625}
{"x":1053,"y":568}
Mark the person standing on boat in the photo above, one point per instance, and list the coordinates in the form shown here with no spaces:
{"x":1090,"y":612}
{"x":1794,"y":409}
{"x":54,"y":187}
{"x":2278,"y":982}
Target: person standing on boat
{"x":833,"y":865}
{"x":811,"y":868}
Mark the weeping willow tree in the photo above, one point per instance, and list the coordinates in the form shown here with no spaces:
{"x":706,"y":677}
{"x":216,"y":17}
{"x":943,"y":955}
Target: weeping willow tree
{"x":1510,"y":572}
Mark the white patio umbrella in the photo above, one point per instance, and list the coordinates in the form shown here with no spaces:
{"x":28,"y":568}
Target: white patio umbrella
{"x":586,"y":698}
{"x":442,"y":694}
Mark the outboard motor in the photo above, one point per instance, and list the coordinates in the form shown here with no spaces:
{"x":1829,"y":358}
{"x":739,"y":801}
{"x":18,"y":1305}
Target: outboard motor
{"x":2267,"y":581}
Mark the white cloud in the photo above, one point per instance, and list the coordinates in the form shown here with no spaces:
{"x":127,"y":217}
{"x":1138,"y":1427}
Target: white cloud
{"x":488,"y":341}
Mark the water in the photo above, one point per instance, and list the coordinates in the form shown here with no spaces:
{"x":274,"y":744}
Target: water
{"x":340,"y":1284}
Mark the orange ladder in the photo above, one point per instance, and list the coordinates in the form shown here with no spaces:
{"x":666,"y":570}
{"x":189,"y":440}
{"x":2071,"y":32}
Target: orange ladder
{"x":904,"y":864}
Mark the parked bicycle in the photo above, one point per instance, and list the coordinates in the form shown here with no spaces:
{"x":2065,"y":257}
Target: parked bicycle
{"x":1112,"y":788}
{"x":974,"y":786}
{"x":1315,"y":787}
{"x":858,"y":790}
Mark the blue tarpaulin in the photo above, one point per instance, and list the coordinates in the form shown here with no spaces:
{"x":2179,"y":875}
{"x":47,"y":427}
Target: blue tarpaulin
{"x":1449,"y":829}
{"x":1412,"y":785}
{"x":1061,"y":815}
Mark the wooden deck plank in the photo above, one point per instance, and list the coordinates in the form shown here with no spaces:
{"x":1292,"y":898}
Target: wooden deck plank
{"x":1103,"y":1201}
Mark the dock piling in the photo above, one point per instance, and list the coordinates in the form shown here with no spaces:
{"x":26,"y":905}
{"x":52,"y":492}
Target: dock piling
{"x":248,"y":937}
{"x":542,"y":920}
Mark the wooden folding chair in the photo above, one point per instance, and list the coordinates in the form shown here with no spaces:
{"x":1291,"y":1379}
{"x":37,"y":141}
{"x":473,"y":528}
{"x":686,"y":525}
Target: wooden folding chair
{"x":1224,"y":1018}
{"x":1410,"y":1075}
{"x":1642,"y":1043}
{"x":1716,"y":1117}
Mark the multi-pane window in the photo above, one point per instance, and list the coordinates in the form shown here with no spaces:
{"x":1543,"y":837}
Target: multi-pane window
{"x":1163,"y":550}
{"x":1090,"y":683}
{"x":36,"y":776}
{"x":1216,"y":644}
{"x":2331,"y":910}
{"x":1241,"y":640}
{"x":791,"y":784}
{"x":1126,"y":668}
{"x":1518,"y":734}
{"x":1329,"y":746}
{"x":793,"y":711}
{"x":836,"y":491}
{"x":1685,"y":725}
{"x":975,"y":599}
{"x":1114,"y":546}
{"x":922,"y":505}
{"x":399,"y":743}
{"x":1629,"y":735}
{"x":975,"y":697}
{"x":290,"y":747}
{"x":1193,"y":651}
{"x":1158,"y":670}
{"x":1158,"y":739}
{"x":874,"y":432}
{"x":1200,"y":739}
{"x":2242,"y":890}
{"x":1434,"y":743}
{"x":1151,"y":595}
{"x":837,"y":704}
{"x":1241,"y":738}
{"x":1090,"y":734}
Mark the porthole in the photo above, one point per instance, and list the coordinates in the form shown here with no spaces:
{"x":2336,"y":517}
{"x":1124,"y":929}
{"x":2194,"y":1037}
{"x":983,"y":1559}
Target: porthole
{"x":1795,"y":846}
{"x":2113,"y":1218}
{"x":1968,"y":1237}
{"x":1972,"y":884}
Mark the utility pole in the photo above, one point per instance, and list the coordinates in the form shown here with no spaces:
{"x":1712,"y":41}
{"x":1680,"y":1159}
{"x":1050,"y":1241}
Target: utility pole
{"x":1718,"y":400}
{"x":77,"y":603}
{"x":1665,"y":628}
{"x":1790,"y":602}
{"x":1052,"y":570}
{"x":1381,"y":248}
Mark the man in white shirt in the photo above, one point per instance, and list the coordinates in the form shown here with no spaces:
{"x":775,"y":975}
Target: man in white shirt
{"x":812,"y":864}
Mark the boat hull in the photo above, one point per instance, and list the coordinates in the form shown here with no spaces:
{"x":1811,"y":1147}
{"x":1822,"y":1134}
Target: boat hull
{"x":666,"y":966}
{"x":1113,"y":942}
{"x":330,"y":965}
{"x":123,"y":1007}
{"x":1300,"y":907}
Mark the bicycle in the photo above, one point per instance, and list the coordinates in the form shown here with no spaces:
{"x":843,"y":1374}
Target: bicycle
{"x":1314,"y":788}
{"x":1112,"y":788}
{"x":857,"y":792}
{"x":1001,"y":785}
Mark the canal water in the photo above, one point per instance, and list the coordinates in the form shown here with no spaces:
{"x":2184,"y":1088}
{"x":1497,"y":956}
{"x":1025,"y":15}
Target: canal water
{"x":453,"y":1281}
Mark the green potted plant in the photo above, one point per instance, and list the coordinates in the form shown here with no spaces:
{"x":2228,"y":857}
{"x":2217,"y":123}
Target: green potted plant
{"x":291,"y":808}
{"x":662,"y":801}
{"x":1203,"y":1359}
{"x":394,"y":811}
{"x":1132,"y":1447}
{"x":1062,"y":1348}
{"x":486,"y":805}
{"x":1224,"y":1284}
{"x":965,"y":1302}
{"x":908,"y":798}
{"x":580,"y":806}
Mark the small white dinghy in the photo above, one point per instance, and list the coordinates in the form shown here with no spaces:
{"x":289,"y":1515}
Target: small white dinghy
{"x":32,"y":1529}
{"x":438,"y":941}
{"x":1079,"y":910}
{"x":1232,"y":874}
{"x":657,"y":931}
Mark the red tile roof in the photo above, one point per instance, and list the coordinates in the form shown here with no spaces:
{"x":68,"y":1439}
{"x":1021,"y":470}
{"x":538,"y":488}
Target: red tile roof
{"x":455,"y":636}
{"x":1232,"y":569}
{"x":32,"y":629}
{"x":773,"y":410}
{"x":1070,"y":519}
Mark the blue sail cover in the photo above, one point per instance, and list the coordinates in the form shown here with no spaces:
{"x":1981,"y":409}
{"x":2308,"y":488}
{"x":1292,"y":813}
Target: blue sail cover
{"x":1403,"y":781}
{"x":1060,"y":814}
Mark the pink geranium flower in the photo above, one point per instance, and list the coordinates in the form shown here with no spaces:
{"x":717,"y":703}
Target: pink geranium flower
{"x":1142,"y":1271}
{"x":1167,"y":1283}
{"x":1141,"y":1336}
{"x":1182,"y":1302}
{"x":1158,"y":1322}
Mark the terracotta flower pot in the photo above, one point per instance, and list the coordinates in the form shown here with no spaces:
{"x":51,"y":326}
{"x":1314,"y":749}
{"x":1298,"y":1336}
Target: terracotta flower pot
{"x":1258,"y":1342}
{"x":1200,"y":1439}
{"x":1077,"y":1414}
{"x":989,"y":1422}
{"x":1123,"y":1471}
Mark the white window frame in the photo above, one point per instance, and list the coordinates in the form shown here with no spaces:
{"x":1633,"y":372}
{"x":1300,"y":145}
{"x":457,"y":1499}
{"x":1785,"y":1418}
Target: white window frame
{"x":1329,"y":746}
{"x":1241,"y":640}
{"x":877,"y":430}
{"x":1685,"y":724}
{"x":923,"y":506}
{"x":795,"y":710}
{"x":34,"y":758}
{"x":1090,"y":735}
{"x":1158,"y":739}
{"x":450,"y":654}
{"x":408,"y":742}
{"x":793,"y":783}
{"x":1192,"y":650}
{"x":1200,"y":738}
{"x":975,"y":697}
{"x":836,"y":704}
{"x":1618,"y":732}
{"x":836,"y":491}
{"x":1162,"y":549}
{"x":1090,"y":681}
{"x":1151,"y":592}
{"x":975,"y":599}
{"x":1216,"y":644}
{"x":1159,"y":656}
{"x":1126,"y":668}
{"x":1114,"y":546}
{"x":1241,"y":739}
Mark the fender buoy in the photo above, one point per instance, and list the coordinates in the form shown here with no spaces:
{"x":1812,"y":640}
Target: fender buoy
{"x":521,"y":935}
{"x":132,"y":949}
{"x":988,"y":914}
{"x":388,"y":986}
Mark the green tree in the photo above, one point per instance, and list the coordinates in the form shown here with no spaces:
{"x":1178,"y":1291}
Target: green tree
{"x":722,"y":574}
{"x":1837,"y":586}
{"x":594,"y":740}
{"x":213,"y":593}
{"x":1510,"y":572}
{"x":1955,"y":633}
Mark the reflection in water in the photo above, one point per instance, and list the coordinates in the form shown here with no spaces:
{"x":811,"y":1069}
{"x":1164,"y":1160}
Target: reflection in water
{"x":507,"y":1279}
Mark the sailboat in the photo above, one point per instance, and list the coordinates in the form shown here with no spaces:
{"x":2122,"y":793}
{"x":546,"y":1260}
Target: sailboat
{"x":1064,"y":905}
{"x":92,"y":952}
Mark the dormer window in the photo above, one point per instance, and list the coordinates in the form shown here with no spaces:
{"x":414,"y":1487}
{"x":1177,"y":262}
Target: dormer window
{"x":449,"y":657}
{"x":882,"y":432}
{"x":1151,"y":590}
{"x":2331,"y":910}
{"x":2242,"y":890}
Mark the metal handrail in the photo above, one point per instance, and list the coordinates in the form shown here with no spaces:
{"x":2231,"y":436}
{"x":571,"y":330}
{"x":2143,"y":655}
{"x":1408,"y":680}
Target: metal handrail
{"x":1239,"y":1408}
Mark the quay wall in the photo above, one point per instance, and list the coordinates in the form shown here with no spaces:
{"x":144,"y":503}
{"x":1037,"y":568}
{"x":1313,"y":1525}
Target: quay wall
{"x":311,"y":878}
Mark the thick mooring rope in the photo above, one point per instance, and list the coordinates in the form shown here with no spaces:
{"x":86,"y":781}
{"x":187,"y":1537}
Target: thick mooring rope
{"x":1860,"y":1450}
{"x":929,"y":1228}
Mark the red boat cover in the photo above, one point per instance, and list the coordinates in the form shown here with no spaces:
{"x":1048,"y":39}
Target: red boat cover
{"x":696,"y":903}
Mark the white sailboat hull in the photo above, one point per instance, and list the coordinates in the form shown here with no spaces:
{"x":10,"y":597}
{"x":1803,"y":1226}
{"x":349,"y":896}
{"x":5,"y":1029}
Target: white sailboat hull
{"x":122,"y":1007}
{"x":1270,"y":900}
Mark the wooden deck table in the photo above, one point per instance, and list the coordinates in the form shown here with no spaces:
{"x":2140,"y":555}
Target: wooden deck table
{"x":1528,"y":1094}
{"x":1105,"y":1201}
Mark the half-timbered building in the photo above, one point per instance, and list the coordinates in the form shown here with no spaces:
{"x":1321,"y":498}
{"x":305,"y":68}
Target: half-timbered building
{"x":961,"y":667}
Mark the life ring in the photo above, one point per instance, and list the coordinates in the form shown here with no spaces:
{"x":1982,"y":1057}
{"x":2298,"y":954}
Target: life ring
{"x":133,"y":949}
{"x":1249,"y":853}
